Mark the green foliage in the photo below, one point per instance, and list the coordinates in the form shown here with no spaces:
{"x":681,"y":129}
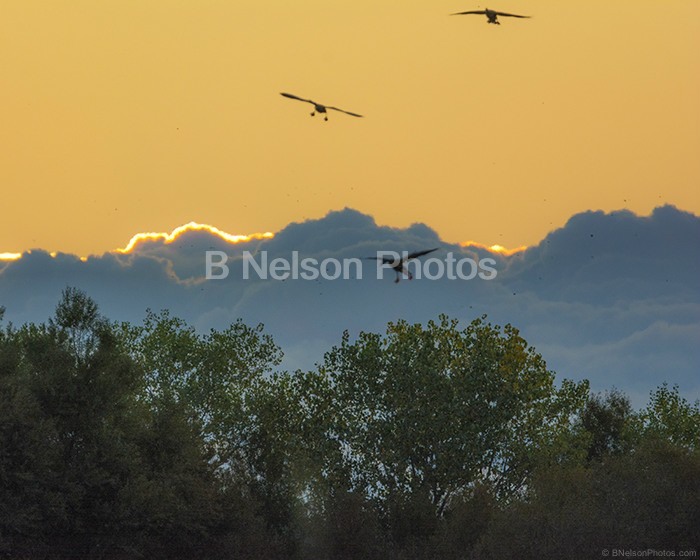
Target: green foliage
{"x":210,"y":374}
{"x":435,"y":410}
{"x":670,"y":417}
{"x":608,"y":421}
{"x":157,"y":441}
{"x":649,"y":499}
{"x":78,"y":323}
{"x":86,"y":465}
{"x":346,"y":529}
{"x":29,"y":492}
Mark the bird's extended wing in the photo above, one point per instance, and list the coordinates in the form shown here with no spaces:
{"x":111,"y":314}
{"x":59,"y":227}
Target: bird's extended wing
{"x":343,"y":111}
{"x":482,"y":12}
{"x":297,"y":98}
{"x":510,"y":15}
{"x":385,"y":260}
{"x":421,"y":253}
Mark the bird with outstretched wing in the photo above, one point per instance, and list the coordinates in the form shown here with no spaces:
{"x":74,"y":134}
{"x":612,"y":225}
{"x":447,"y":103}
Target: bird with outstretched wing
{"x":491,"y":15}
{"x":398,"y":264}
{"x":319,"y":107}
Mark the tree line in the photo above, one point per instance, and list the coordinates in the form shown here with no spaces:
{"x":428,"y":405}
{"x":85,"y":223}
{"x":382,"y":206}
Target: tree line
{"x":426,"y":441}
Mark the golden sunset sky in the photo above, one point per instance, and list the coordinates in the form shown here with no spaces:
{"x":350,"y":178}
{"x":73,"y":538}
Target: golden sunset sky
{"x":119,"y":117}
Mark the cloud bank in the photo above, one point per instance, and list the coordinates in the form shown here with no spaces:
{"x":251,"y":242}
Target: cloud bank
{"x":613,"y":297}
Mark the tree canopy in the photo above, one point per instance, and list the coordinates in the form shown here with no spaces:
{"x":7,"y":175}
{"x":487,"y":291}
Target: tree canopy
{"x":425,"y":441}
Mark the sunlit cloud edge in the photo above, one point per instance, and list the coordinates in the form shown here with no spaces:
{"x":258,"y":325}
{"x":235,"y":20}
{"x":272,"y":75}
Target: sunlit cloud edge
{"x":500,"y":249}
{"x":191,"y":226}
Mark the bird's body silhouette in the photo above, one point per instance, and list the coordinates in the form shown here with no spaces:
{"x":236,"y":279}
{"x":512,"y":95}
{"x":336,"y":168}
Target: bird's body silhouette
{"x":318,"y":107}
{"x":491,"y":15}
{"x":398,"y":264}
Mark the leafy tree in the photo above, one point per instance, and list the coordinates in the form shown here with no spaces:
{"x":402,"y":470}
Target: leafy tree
{"x":76,"y":391}
{"x":87,"y":467}
{"x":210,"y":374}
{"x":431,"y":411}
{"x":608,"y":422}
{"x":29,"y":493}
{"x":293,"y":462}
{"x":87,"y":389}
{"x":427,"y":441}
{"x":78,"y":322}
{"x":297,"y":415}
{"x":347,"y":528}
{"x":167,"y":350}
{"x":171,"y":503}
{"x":220,"y":382}
{"x":670,"y":417}
{"x":649,"y":499}
{"x":464,"y":524}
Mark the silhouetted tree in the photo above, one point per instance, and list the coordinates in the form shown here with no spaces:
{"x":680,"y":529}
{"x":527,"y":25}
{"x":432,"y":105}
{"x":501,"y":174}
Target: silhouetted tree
{"x":608,"y":422}
{"x":30,"y":493}
{"x":88,"y":468}
{"x":641,"y":500}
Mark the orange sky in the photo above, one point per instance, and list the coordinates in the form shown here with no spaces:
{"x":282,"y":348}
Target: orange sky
{"x":128,"y":116}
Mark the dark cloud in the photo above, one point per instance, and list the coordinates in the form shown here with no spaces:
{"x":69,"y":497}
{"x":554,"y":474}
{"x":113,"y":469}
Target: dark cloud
{"x":609,"y":297}
{"x":603,"y":258}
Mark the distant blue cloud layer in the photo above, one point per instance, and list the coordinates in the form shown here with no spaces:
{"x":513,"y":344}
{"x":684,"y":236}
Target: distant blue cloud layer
{"x":614,"y":298}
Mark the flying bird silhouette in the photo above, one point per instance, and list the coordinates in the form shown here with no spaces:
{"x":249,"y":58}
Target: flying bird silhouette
{"x":492,"y":15}
{"x":398,"y":263}
{"x":318,"y":107}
